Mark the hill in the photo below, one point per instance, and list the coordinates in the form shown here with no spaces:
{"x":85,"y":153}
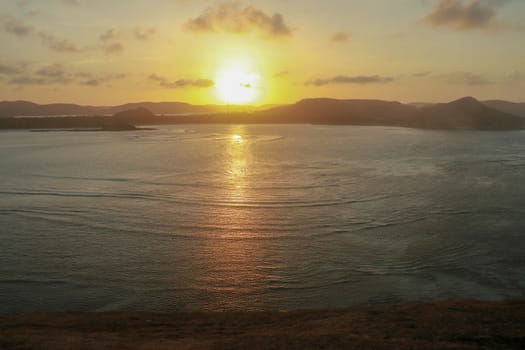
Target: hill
{"x":332,"y":111}
{"x":30,"y":109}
{"x":507,"y":107}
{"x":465,"y":113}
{"x":26,"y":108}
{"x":161,"y":108}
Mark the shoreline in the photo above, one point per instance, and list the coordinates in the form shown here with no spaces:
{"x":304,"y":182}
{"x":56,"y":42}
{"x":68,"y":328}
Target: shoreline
{"x":438,"y":325}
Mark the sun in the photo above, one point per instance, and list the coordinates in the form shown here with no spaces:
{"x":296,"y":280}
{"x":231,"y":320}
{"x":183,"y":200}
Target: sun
{"x":235,"y":85}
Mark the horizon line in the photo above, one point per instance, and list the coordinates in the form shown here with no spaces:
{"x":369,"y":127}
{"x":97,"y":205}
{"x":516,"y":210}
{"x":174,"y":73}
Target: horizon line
{"x":257,"y":105}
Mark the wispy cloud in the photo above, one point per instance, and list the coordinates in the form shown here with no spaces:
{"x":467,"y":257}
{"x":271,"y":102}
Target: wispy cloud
{"x":11,"y":69}
{"x":16,"y":27}
{"x":100,"y":80}
{"x":52,"y":71}
{"x":110,"y":45}
{"x":359,"y":79}
{"x":232,"y":17}
{"x":144,"y":34}
{"x":465,"y":78}
{"x":55,"y":74}
{"x":109,"y":34}
{"x":181,"y":83}
{"x":58,"y":44}
{"x":464,"y":15}
{"x":47,"y":75}
{"x":340,"y":37}
{"x":28,"y":80}
{"x":114,"y":48}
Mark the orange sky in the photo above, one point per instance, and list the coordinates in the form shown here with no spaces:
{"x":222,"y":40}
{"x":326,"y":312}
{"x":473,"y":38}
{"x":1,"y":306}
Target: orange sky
{"x":261,"y":52}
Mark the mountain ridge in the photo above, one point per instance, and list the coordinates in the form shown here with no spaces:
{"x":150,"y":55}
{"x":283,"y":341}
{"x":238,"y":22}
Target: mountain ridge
{"x":21,"y":108}
{"x":465,"y":113}
{"x":29,"y":108}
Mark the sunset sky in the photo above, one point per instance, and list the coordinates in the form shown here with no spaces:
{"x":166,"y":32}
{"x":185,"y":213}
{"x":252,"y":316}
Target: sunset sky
{"x":107,"y":52}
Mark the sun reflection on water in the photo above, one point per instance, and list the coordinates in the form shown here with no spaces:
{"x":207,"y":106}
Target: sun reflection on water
{"x":232,"y":251}
{"x":237,"y":165}
{"x":237,"y":138}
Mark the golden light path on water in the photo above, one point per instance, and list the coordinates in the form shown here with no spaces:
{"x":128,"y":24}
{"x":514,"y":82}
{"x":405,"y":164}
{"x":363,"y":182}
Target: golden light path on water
{"x":236,"y":256}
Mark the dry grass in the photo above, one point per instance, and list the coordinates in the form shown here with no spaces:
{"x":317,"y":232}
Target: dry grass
{"x":448,"y":325}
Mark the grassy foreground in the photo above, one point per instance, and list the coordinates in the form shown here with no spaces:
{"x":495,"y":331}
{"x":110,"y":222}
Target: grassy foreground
{"x":445,"y":325}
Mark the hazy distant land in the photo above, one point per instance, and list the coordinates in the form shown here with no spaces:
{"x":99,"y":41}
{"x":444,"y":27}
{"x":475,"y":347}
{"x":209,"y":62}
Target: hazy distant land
{"x":463,"y":114}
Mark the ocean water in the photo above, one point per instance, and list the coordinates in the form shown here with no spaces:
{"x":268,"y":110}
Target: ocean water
{"x":259,"y":217}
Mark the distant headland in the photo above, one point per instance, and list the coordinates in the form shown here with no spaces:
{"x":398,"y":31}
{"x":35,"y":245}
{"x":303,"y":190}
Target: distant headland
{"x":466,"y":113}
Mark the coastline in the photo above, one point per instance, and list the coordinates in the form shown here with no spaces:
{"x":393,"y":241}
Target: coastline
{"x":439,"y":325}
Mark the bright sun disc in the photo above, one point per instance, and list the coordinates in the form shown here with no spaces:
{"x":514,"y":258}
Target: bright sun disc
{"x":236,"y":86}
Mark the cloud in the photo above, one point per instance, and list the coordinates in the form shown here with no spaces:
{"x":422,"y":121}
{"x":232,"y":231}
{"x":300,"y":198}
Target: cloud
{"x":144,"y":34}
{"x":52,"y":71}
{"x":57,"y":74}
{"x":11,"y":69}
{"x":182,"y":83}
{"x":465,"y":78}
{"x":57,"y":44}
{"x":232,"y":17}
{"x":114,"y":48}
{"x":464,"y":15}
{"x":281,"y":74}
{"x":26,"y":80}
{"x":360,"y":80}
{"x":340,"y":37}
{"x":110,"y":46}
{"x":16,"y":27}
{"x":97,"y":81}
{"x":109,"y":34}
{"x":48,"y":75}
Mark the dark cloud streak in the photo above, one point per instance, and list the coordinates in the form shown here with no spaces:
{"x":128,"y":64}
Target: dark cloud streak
{"x":97,"y":81}
{"x":181,"y":83}
{"x":359,"y":80}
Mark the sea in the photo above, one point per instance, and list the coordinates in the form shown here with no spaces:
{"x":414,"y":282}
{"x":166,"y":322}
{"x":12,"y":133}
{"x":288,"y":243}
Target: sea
{"x":259,"y":217}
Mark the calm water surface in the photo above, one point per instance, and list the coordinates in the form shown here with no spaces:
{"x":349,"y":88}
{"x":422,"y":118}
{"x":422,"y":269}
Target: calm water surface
{"x":259,"y":217}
